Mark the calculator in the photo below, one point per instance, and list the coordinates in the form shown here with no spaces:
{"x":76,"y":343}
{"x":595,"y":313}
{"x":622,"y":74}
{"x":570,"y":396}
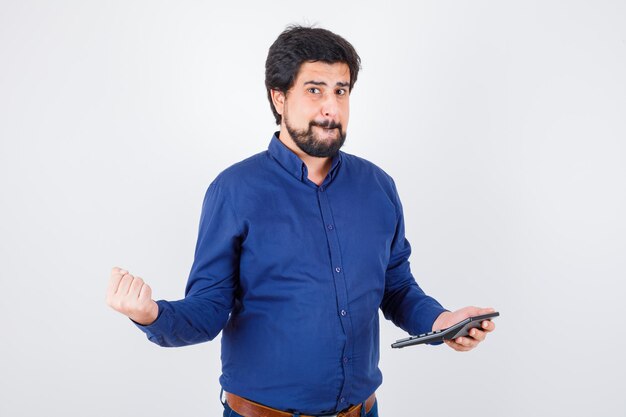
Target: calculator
{"x":462,"y":328}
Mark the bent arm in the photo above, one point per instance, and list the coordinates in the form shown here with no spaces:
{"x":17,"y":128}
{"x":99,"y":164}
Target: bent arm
{"x":214,"y":276}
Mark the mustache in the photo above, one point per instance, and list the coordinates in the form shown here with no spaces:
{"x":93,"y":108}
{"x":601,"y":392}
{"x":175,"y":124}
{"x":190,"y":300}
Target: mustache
{"x":327,"y":124}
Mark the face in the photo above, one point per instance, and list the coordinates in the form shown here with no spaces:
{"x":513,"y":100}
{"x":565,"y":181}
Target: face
{"x":316,"y":109}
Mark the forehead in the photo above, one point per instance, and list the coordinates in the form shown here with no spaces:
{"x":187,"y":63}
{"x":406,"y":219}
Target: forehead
{"x":323,"y":71}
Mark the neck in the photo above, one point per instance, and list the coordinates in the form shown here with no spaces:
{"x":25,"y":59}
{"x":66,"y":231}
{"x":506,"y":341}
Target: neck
{"x":317,"y":167}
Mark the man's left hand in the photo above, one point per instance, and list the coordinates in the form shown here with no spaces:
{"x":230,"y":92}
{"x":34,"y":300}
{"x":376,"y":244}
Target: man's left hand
{"x":476,"y":335}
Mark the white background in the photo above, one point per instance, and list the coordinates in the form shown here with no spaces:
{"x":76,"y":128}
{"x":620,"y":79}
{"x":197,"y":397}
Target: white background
{"x":503,"y":124}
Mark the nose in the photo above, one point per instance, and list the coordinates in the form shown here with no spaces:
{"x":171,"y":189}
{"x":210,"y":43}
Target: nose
{"x":330,"y":106}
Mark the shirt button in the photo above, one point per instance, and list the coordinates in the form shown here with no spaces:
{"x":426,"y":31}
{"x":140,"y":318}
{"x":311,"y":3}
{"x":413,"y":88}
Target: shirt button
{"x":330,"y":227}
{"x":337,"y":269}
{"x":345,"y":360}
{"x":342,"y":399}
{"x":343,"y":312}
{"x":322,"y":189}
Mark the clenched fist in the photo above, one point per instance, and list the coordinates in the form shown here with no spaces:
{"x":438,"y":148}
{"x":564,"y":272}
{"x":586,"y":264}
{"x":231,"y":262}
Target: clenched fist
{"x":132,"y":297}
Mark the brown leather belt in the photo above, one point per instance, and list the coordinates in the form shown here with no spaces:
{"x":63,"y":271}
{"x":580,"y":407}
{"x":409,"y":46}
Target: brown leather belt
{"x":248,"y":408}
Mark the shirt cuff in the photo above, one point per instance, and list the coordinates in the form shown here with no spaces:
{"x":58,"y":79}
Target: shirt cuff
{"x":155,"y":329}
{"x":430,"y":316}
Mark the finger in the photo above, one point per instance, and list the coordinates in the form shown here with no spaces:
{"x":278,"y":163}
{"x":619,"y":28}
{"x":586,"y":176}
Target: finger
{"x":145,"y":294}
{"x":118,"y":270}
{"x":114,"y":283}
{"x":135,"y":287}
{"x":486,"y":310}
{"x":125,"y":284}
{"x":477,"y":334}
{"x":467,"y":342}
{"x":468,"y":311}
{"x":456,"y":346}
{"x":488,"y":326}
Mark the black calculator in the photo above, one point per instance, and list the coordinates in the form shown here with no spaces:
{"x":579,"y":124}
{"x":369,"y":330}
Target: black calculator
{"x":462,"y":328}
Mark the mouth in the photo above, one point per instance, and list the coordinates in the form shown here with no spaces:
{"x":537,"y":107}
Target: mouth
{"x":327,"y":129}
{"x":330,"y":132}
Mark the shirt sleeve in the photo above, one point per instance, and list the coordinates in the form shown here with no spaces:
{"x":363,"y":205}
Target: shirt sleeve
{"x":404,"y":302}
{"x":209,"y":293}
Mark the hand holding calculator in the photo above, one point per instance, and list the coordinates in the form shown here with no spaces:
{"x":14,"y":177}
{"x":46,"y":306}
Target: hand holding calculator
{"x":459,"y":329}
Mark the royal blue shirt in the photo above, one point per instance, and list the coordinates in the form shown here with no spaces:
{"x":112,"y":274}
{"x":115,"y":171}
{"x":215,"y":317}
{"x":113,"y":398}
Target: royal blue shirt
{"x":294,"y":274}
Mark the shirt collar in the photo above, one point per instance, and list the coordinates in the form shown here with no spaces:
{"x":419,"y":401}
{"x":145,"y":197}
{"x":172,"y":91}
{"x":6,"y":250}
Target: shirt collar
{"x":293,"y":164}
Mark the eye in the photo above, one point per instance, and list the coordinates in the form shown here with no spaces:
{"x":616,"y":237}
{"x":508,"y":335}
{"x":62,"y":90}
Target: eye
{"x":314,"y":90}
{"x":342,"y":92}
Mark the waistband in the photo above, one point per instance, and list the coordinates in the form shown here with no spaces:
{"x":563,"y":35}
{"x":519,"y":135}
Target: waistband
{"x":249,"y":408}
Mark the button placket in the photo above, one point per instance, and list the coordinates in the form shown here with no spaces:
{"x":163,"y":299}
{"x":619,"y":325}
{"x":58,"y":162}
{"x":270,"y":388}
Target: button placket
{"x":341,"y":290}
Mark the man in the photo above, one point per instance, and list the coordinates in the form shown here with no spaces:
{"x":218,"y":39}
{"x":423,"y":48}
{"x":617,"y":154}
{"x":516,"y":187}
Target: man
{"x":298,"y":248}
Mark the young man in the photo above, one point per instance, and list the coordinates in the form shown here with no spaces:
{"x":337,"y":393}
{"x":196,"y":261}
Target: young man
{"x":298,"y":248}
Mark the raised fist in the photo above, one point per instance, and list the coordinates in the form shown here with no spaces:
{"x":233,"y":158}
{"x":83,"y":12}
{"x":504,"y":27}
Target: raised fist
{"x":132,"y":297}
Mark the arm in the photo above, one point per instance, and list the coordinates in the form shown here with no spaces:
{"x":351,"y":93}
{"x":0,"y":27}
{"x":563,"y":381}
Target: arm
{"x":411,"y":309}
{"x":404,"y":302}
{"x":209,"y":293}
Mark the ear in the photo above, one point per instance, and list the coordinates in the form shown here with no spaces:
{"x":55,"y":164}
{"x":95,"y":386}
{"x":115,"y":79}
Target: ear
{"x":278,"y":98}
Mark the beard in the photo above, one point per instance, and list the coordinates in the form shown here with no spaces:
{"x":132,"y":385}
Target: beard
{"x":311,"y":144}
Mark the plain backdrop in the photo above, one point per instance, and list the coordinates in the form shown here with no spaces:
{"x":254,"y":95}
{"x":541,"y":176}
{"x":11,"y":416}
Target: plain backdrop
{"x":503,"y":124}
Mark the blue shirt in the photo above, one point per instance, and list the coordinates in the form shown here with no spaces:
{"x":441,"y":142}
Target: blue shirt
{"x":294,"y":274}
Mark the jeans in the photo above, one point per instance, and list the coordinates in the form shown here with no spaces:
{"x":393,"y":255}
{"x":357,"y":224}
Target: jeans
{"x":228,"y":412}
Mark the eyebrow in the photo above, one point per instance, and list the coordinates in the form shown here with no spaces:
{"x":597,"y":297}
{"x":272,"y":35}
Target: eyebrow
{"x":338,"y":84}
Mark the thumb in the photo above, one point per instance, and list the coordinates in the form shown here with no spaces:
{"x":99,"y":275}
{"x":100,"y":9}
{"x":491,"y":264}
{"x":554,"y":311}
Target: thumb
{"x":473,"y":311}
